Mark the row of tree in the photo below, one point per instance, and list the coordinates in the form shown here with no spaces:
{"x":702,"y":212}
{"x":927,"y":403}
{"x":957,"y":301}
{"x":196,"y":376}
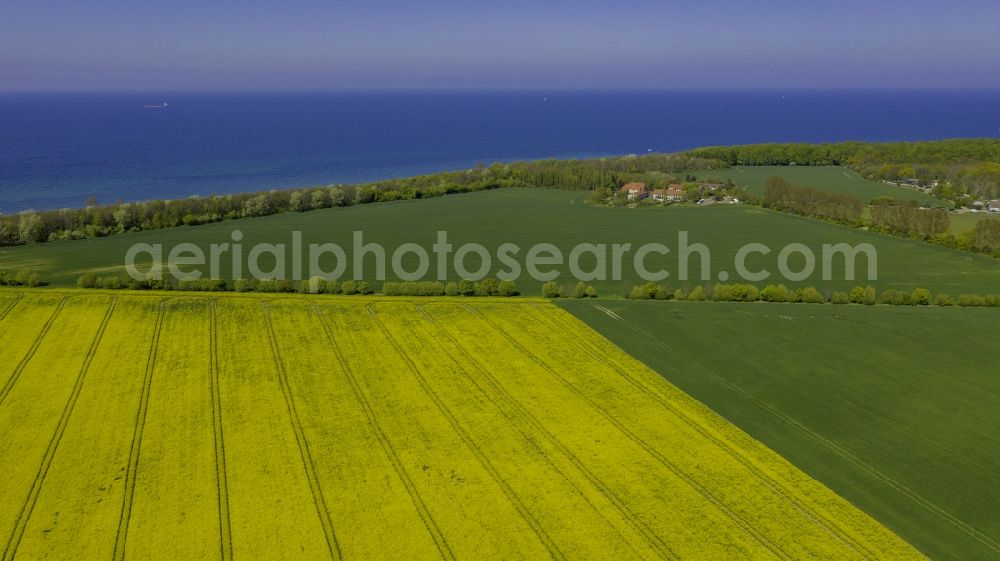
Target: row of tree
{"x":986,"y":236}
{"x":20,"y":278}
{"x":906,"y":218}
{"x":809,"y":295}
{"x":103,"y":220}
{"x":484,"y":287}
{"x":781,"y":195}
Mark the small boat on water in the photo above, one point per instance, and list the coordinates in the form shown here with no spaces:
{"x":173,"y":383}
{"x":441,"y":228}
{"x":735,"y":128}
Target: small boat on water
{"x":155,"y":105}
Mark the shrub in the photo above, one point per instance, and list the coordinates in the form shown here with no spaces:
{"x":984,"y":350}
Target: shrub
{"x":551,"y":289}
{"x":197,"y":285}
{"x":275,"y":285}
{"x":840,"y":298}
{"x":363,"y":288}
{"x":486,"y":287}
{"x":243,"y":285}
{"x":679,"y":294}
{"x":28,"y":278}
{"x":772,"y":293}
{"x":591,"y":291}
{"x":857,"y":295}
{"x":644,"y":291}
{"x":895,"y":297}
{"x":413,"y":289}
{"x":971,"y":300}
{"x":87,"y":280}
{"x":735,"y":293}
{"x":992,"y":300}
{"x":943,"y":300}
{"x":111,"y":283}
{"x":921,"y":297}
{"x":581,"y":290}
{"x":316,"y":285}
{"x":507,"y":288}
{"x":332,"y":287}
{"x":697,"y":294}
{"x":869,"y":296}
{"x":349,"y":287}
{"x":723,"y":293}
{"x":812,"y":296}
{"x":451,"y":289}
{"x":466,"y":288}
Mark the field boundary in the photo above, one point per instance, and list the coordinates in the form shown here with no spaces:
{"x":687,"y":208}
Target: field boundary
{"x":10,"y":550}
{"x":655,"y":454}
{"x":5,"y":391}
{"x":418,"y":503}
{"x":319,"y":501}
{"x":140,"y":423}
{"x":484,"y":461}
{"x":963,"y":526}
{"x":815,"y":515}
{"x":225,"y":528}
{"x":630,"y":518}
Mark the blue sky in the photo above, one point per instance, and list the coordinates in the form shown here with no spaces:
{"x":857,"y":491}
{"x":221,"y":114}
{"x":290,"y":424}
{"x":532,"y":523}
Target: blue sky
{"x":115,"y":45}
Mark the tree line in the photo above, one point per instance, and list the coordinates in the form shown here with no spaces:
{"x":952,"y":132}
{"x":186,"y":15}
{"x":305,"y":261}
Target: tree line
{"x":779,"y":293}
{"x":842,"y":208}
{"x":907,"y":219}
{"x":484,"y":287}
{"x":96,"y":220}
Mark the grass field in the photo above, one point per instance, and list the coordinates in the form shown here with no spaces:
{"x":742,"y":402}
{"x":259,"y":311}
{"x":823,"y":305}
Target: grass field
{"x":184,"y":427}
{"x":824,"y":178}
{"x":527,"y":217}
{"x":895,"y":409}
{"x":967,"y":221}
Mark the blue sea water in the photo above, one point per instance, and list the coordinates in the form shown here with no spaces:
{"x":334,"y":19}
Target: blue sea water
{"x":56,"y":150}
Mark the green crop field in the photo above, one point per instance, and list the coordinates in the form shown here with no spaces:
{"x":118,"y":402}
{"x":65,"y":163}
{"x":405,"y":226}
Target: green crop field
{"x":893,"y":408}
{"x":830,"y":179}
{"x":966,"y":221}
{"x":527,"y":217}
{"x":151,"y":426}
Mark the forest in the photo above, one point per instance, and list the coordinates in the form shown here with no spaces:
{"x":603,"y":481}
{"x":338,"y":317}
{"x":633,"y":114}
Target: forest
{"x":960,"y":170}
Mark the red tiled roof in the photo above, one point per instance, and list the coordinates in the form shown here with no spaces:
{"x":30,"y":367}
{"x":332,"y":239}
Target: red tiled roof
{"x":628,"y":187}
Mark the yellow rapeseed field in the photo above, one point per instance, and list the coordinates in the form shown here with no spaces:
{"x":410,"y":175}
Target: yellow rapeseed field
{"x":192,"y":427}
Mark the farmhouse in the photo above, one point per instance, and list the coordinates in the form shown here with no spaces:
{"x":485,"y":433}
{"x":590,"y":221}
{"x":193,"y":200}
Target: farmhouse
{"x":634,"y":191}
{"x":994,"y":206}
{"x":675,"y":192}
{"x":672,"y":193}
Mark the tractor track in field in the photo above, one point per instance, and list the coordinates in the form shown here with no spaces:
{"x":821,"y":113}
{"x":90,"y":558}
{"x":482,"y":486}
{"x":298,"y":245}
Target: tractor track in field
{"x":225,"y":527}
{"x":655,"y":454}
{"x":631,"y":519}
{"x":5,"y":391}
{"x":140,"y":425}
{"x":815,"y":516}
{"x":10,"y":550}
{"x":963,"y":526}
{"x":440,"y":541}
{"x":484,"y":462}
{"x":319,"y":501}
{"x":14,"y":302}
